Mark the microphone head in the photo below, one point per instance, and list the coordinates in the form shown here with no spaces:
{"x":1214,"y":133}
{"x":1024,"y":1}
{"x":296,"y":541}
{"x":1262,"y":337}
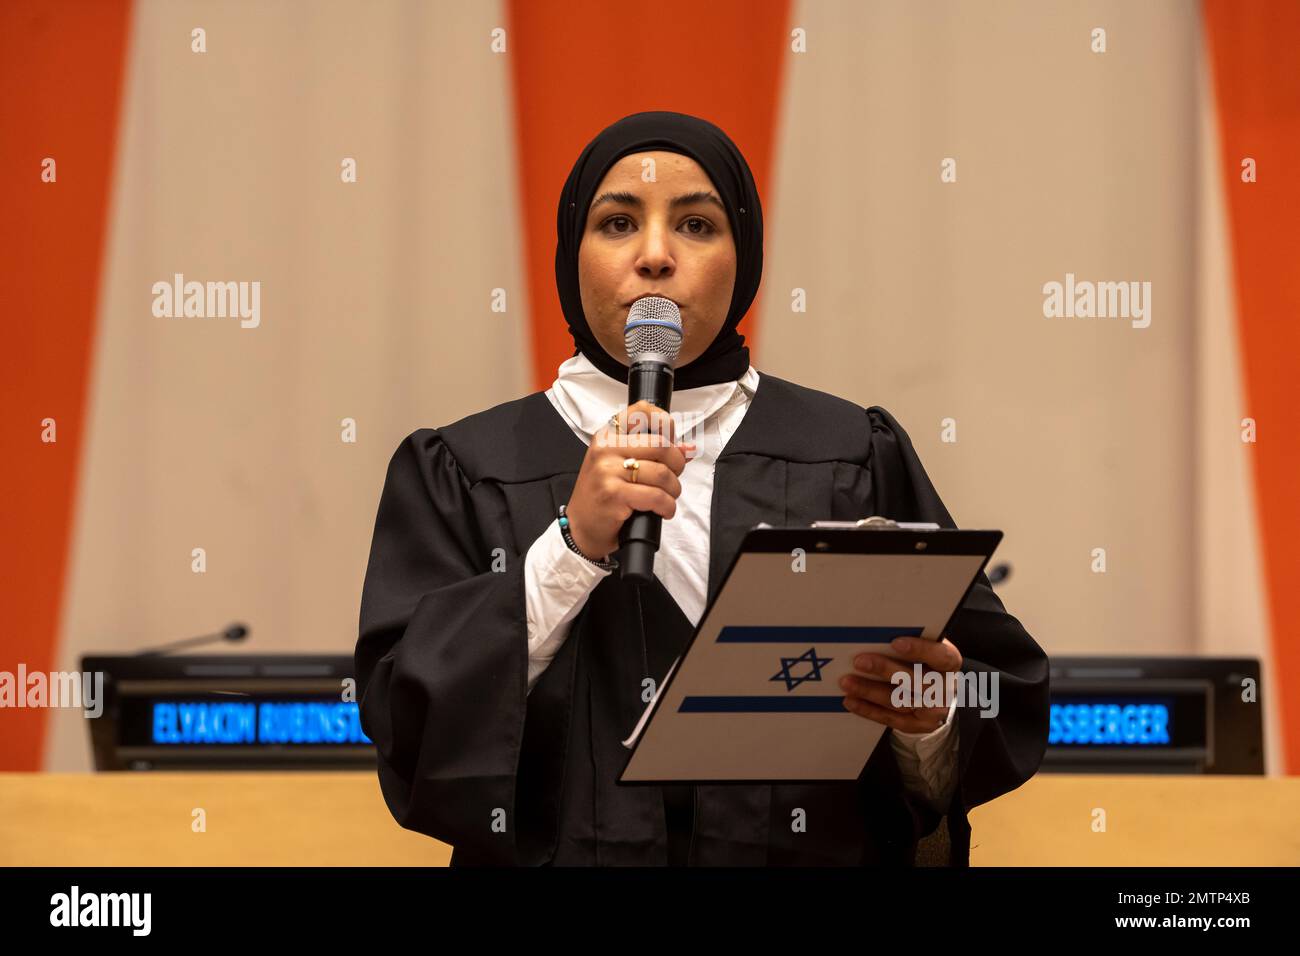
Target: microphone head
{"x":653,"y":331}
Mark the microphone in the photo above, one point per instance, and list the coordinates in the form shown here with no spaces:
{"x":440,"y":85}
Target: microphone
{"x":653,"y":336}
{"x":235,"y":632}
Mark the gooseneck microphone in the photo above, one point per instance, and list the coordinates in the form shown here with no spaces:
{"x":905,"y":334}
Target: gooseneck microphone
{"x":234,"y":633}
{"x":653,"y":336}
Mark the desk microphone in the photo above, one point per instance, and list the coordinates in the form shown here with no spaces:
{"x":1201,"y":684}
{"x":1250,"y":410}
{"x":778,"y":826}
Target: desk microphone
{"x":234,"y":633}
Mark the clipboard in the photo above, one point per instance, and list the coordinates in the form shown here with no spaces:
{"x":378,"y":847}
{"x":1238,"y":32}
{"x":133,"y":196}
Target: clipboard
{"x":755,"y":696}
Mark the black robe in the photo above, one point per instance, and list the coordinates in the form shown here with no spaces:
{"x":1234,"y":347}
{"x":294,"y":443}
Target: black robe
{"x":468,"y":756}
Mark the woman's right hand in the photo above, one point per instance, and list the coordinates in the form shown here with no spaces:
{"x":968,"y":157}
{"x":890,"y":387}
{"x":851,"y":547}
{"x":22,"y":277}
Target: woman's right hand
{"x":605,"y":496}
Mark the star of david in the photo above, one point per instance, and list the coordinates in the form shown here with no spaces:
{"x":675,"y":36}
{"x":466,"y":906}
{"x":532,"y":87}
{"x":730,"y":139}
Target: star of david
{"x":814,"y":673}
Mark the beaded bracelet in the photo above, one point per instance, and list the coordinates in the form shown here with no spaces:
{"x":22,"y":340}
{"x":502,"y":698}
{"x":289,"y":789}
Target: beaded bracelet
{"x":608,"y":565}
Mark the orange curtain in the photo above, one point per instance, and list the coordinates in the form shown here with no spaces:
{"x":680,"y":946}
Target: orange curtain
{"x":1252,"y":54}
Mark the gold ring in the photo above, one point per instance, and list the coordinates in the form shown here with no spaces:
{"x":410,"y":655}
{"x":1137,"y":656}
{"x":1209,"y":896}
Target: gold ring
{"x":632,"y":465}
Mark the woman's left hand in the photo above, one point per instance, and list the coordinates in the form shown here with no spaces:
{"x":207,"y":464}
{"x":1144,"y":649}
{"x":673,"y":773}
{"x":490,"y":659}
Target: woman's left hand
{"x":870,"y":696}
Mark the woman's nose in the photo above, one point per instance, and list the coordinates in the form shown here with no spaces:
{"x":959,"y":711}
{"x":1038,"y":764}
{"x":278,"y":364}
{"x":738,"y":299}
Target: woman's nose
{"x":655,"y":257}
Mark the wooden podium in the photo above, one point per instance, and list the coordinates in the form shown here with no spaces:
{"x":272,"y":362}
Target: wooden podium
{"x":252,"y":819}
{"x":339,"y":819}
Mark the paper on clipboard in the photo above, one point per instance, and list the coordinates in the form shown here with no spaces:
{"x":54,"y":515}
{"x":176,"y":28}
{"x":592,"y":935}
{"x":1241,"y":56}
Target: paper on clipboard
{"x":645,"y":715}
{"x":756,"y":696}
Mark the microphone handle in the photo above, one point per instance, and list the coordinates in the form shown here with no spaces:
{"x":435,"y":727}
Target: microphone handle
{"x":639,"y":537}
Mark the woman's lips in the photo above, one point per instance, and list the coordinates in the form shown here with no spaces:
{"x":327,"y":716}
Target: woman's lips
{"x":650,"y":295}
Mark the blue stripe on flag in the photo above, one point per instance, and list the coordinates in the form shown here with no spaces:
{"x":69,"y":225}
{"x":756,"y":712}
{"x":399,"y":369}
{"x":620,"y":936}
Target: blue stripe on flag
{"x":766,"y":705}
{"x":733,"y":634}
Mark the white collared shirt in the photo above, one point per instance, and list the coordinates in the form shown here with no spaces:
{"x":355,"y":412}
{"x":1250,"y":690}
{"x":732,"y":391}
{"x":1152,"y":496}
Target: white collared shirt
{"x":557,"y":581}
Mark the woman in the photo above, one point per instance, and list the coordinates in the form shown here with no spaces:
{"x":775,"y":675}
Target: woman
{"x":502,"y":659}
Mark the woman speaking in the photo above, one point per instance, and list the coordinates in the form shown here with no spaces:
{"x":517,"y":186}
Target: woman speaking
{"x":501,"y":656}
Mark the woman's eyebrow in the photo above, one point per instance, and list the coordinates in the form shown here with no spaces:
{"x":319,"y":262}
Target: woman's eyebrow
{"x":686,"y":199}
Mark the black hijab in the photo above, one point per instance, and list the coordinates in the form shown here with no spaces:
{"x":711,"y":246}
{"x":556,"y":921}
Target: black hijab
{"x":727,"y":357}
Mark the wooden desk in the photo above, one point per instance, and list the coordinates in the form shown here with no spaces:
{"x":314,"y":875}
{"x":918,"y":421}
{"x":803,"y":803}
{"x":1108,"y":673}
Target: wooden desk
{"x":339,"y":819}
{"x":253,"y":819}
{"x":1152,"y":820}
